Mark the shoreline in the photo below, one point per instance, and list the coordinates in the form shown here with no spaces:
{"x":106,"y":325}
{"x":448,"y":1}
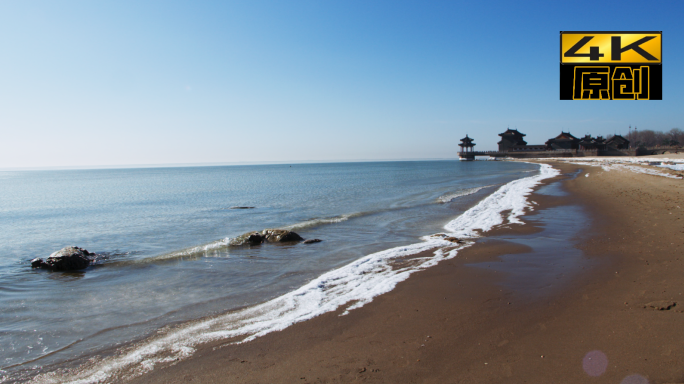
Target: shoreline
{"x":498,"y":248}
{"x":465,"y":311}
{"x":349,"y":287}
{"x":134,"y":299}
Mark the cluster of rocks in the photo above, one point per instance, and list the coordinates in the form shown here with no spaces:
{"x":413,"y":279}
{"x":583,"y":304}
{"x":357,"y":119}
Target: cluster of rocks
{"x":75,"y":258}
{"x":66,"y":259}
{"x":270,"y":236}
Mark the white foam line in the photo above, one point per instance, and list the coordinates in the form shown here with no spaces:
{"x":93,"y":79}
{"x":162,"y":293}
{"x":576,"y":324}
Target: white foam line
{"x":352,"y":285}
{"x":488,"y":212}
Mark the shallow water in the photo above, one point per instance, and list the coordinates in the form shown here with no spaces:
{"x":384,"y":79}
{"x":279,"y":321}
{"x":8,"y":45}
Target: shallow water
{"x":163,"y":233}
{"x":554,"y":260}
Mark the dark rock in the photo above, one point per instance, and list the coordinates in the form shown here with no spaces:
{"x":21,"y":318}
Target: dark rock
{"x":453,"y":239}
{"x":37,"y":262}
{"x":280,"y":236}
{"x":311,"y":241}
{"x":66,"y":259}
{"x":251,"y":238}
{"x":255,"y":239}
{"x":270,"y":235}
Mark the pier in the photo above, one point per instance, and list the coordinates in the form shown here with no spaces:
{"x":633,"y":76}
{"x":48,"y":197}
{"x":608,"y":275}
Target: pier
{"x":470,"y":155}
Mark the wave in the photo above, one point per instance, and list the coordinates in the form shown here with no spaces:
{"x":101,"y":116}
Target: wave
{"x":465,"y":192}
{"x":322,"y":221}
{"x":351,"y":286}
{"x":223,"y":244}
{"x":192,"y":252}
{"x":226,"y":243}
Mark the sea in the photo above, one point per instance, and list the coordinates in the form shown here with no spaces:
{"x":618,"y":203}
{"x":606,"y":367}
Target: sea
{"x":166,"y":277}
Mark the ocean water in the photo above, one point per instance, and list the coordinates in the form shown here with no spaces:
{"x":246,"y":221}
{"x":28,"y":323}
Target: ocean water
{"x":167,"y":279}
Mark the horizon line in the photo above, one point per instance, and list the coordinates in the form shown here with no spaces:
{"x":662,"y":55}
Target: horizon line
{"x":213,"y":164}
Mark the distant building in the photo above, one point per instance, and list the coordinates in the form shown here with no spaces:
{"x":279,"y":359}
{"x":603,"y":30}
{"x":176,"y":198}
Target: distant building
{"x":563,"y":141}
{"x":511,"y":138}
{"x":617,"y":142}
{"x":466,"y":143}
{"x":588,"y":143}
{"x":600,"y":143}
{"x":513,"y":144}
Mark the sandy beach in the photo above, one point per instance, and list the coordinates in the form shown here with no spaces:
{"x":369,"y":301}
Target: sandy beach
{"x":341,"y":192}
{"x":613,"y":315}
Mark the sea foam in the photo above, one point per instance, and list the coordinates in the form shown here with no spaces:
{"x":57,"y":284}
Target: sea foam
{"x":346,"y":288}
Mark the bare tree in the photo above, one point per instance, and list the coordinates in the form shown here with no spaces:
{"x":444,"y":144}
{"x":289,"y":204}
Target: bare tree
{"x":676,"y":136}
{"x":650,"y":138}
{"x":646,"y":138}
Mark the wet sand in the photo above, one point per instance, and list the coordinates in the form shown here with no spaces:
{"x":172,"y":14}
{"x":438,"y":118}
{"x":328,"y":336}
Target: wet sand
{"x":603,"y":305}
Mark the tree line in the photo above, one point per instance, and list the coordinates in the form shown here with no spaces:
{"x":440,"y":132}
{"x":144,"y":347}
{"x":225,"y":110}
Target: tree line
{"x":650,"y":138}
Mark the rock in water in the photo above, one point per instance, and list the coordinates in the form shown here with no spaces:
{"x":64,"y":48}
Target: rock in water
{"x":255,"y":239}
{"x":311,"y":241}
{"x":37,"y":263}
{"x":251,"y":238}
{"x":280,"y":236}
{"x":66,"y":259}
{"x":270,"y":235}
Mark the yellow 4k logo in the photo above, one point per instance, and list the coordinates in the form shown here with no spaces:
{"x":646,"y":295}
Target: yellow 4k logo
{"x":611,"y":65}
{"x":611,"y":47}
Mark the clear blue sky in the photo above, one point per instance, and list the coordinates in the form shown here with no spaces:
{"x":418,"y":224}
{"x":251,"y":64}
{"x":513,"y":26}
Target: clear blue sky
{"x":88,"y":83}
